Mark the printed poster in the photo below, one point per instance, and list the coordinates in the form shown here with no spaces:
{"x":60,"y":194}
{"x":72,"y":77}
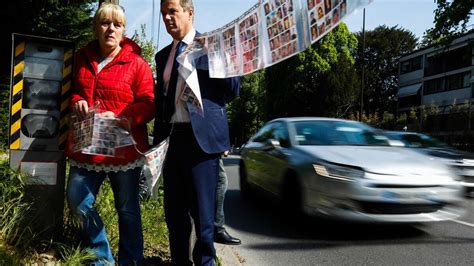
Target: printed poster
{"x":280,"y":24}
{"x":249,"y":43}
{"x":98,"y":135}
{"x":271,"y":31}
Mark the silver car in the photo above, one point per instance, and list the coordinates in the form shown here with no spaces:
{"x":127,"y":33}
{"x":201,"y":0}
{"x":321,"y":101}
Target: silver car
{"x":462,"y":161}
{"x":346,"y":170}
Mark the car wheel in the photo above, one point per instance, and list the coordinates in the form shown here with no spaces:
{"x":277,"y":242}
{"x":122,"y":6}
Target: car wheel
{"x":292,"y":196}
{"x":469,"y":192}
{"x":245,"y":189}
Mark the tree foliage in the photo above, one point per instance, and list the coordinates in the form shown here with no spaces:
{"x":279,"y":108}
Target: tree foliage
{"x":62,"y":19}
{"x":320,"y":81}
{"x":4,"y":116}
{"x":245,"y":112}
{"x":148,"y":49}
{"x":451,"y":18}
{"x":383,"y":48}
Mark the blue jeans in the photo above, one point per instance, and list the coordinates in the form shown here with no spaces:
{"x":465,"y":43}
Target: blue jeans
{"x":82,"y":189}
{"x":220,"y":196}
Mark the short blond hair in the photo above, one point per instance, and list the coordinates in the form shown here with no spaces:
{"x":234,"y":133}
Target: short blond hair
{"x":110,"y":11}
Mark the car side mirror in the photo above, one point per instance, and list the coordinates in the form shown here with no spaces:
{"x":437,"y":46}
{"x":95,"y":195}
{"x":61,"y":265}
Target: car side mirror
{"x":271,"y":144}
{"x":275,"y":143}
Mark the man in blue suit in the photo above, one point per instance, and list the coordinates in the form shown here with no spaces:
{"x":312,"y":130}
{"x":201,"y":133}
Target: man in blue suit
{"x":197,"y":139}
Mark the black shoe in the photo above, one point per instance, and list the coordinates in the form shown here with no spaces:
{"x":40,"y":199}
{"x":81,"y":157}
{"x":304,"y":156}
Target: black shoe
{"x":226,"y":239}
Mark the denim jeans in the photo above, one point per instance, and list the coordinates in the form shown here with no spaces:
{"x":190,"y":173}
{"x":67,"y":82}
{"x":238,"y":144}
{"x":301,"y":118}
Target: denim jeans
{"x":82,"y":189}
{"x":220,"y":196}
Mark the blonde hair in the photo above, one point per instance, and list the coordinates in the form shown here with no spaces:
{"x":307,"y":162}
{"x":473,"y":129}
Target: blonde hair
{"x":110,"y":11}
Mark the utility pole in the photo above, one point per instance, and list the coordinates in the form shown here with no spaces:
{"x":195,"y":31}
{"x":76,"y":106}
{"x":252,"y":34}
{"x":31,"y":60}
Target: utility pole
{"x":153,"y":21}
{"x":363,"y":69}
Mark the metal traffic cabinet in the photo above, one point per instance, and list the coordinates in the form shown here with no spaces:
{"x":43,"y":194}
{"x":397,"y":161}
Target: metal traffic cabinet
{"x":41,"y":75}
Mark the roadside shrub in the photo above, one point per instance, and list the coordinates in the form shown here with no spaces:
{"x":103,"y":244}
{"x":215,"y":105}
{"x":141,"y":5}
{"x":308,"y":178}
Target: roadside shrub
{"x":20,"y":244}
{"x":16,"y":214}
{"x":4,"y":116}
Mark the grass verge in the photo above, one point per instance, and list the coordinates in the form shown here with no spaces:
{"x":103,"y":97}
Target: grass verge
{"x":22,"y":243}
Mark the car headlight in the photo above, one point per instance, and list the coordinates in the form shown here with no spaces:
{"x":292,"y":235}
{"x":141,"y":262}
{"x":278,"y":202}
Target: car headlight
{"x":338,"y":172}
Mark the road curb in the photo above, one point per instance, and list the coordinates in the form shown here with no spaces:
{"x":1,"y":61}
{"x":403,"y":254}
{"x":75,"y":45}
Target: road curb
{"x":228,"y":255}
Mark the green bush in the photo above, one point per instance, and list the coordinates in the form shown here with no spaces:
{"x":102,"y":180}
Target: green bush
{"x":17,"y":217}
{"x":18,"y":242}
{"x":4,"y":116}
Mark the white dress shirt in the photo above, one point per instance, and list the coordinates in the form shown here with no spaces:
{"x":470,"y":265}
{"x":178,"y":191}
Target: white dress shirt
{"x":181,"y":114}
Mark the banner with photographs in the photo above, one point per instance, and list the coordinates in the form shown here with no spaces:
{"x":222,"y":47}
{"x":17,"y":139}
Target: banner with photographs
{"x":99,"y":135}
{"x":280,"y":24}
{"x":249,"y":43}
{"x":154,"y":160}
{"x":224,"y":55}
{"x":324,"y":15}
{"x":272,"y":31}
{"x":82,"y":130}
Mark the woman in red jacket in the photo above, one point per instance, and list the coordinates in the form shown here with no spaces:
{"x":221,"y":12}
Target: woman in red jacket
{"x":111,"y":72}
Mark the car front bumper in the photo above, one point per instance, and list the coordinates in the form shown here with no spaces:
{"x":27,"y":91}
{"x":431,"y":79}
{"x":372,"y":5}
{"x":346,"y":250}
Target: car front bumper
{"x":369,"y":201}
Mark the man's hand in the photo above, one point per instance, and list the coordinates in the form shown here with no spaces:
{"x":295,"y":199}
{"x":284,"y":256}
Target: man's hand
{"x":225,"y":154}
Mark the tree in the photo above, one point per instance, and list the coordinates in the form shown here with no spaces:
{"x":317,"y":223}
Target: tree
{"x":383,"y":48}
{"x":62,"y":19}
{"x":148,"y":53}
{"x":148,"y":49}
{"x":245,"y":112}
{"x":451,"y":18}
{"x":320,"y":81}
{"x":49,"y":18}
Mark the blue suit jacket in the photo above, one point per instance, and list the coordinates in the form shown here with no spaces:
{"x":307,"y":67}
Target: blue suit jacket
{"x":211,"y":130}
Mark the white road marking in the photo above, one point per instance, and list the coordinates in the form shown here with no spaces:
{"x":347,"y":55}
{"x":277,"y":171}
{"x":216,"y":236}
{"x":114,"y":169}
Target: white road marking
{"x":463,"y":223}
{"x":459,"y":221}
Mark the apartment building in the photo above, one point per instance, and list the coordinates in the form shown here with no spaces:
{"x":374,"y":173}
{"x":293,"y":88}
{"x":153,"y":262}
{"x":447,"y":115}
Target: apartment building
{"x":438,"y":76}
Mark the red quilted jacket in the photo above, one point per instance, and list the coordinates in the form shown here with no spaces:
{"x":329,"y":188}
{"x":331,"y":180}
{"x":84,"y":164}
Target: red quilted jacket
{"x":124,"y":86}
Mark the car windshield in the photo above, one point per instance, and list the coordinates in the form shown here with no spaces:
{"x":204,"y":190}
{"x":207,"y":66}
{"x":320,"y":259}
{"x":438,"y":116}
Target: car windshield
{"x":320,"y":132}
{"x":420,"y":141}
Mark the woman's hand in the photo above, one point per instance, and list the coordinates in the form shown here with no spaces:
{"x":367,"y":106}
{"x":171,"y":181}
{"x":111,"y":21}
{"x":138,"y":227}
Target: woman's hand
{"x":107,"y":114}
{"x":81,"y":108}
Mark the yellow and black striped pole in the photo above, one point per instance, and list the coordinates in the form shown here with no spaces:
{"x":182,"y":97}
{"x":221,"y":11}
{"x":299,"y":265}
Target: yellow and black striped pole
{"x":65,"y":93}
{"x":17,"y":96}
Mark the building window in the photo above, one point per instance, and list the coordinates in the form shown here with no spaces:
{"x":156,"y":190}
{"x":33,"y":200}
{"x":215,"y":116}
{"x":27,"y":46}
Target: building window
{"x":405,"y":67}
{"x":453,"y":82}
{"x":433,"y":86}
{"x":458,"y":81}
{"x":448,"y":61}
{"x":458,"y":58}
{"x":416,"y":63}
{"x":410,"y":65}
{"x":409,"y":101}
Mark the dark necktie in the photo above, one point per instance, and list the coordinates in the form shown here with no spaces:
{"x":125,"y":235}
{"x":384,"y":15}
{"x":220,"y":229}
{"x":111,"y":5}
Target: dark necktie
{"x":169,"y":107}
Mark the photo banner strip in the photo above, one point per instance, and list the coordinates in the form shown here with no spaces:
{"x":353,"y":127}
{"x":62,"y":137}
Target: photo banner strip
{"x":154,"y":160}
{"x":98,"y":135}
{"x":272,"y":31}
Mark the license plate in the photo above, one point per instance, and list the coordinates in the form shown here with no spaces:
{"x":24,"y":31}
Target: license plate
{"x":404,"y":195}
{"x":468,"y":172}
